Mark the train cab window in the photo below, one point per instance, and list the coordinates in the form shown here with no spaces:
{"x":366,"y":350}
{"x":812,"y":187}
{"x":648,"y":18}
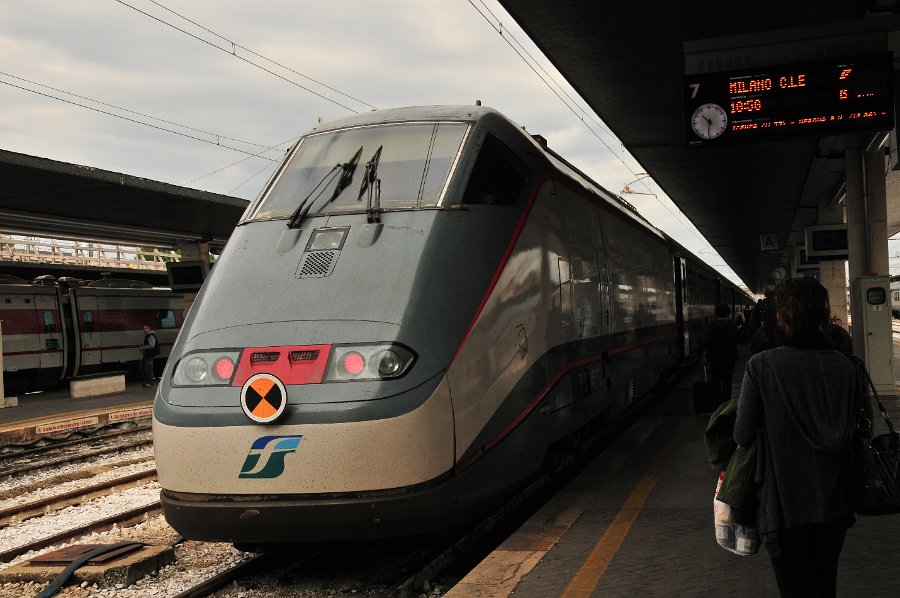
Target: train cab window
{"x":88,"y":321}
{"x":49,"y":321}
{"x":165,"y":318}
{"x":498,"y":177}
{"x":328,"y":170}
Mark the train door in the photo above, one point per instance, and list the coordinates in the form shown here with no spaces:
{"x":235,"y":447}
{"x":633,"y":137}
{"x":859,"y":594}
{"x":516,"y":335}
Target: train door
{"x":589,"y":283}
{"x":87,"y":330}
{"x":69,"y":333}
{"x":587,"y":303}
{"x":598,"y":238}
{"x":51,"y":338}
{"x":680,"y":268}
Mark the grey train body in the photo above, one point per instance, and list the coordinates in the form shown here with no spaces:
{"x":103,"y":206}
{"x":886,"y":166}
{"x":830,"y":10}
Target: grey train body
{"x":512,"y":302}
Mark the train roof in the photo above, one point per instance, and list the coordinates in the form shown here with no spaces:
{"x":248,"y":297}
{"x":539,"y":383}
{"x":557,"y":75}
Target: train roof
{"x":409,"y":113}
{"x":473,"y":113}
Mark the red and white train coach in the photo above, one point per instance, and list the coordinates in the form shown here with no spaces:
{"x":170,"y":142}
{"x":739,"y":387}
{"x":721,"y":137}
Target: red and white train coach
{"x":54,"y":330}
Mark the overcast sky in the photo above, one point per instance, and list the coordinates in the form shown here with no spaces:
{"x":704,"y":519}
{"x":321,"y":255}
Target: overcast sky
{"x":79,"y":78}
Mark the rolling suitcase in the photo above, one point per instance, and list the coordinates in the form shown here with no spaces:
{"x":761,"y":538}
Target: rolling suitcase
{"x":706,"y":399}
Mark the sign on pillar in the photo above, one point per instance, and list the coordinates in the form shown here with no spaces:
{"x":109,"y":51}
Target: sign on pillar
{"x":768,"y":242}
{"x":872,"y":331}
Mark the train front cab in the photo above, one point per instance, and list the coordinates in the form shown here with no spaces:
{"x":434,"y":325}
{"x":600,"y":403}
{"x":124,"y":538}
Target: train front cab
{"x":565,"y":316}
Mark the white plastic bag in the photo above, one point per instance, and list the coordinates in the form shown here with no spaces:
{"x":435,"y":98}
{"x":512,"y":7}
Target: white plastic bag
{"x":739,"y":539}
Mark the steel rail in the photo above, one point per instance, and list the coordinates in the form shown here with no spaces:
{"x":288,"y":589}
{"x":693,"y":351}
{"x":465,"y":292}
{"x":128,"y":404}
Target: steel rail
{"x":125,"y":519}
{"x":13,"y":471}
{"x":73,"y":497}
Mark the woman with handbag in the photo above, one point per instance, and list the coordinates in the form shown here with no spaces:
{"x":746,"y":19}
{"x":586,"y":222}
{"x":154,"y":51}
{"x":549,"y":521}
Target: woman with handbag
{"x":802,"y":396}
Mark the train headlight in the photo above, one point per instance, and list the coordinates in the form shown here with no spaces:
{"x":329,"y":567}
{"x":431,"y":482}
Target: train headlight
{"x":381,"y":361}
{"x":196,"y":369}
{"x":389,"y":363}
{"x":206,"y":368}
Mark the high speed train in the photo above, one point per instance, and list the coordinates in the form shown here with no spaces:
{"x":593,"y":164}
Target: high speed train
{"x":420,"y":306}
{"x":56,"y":329}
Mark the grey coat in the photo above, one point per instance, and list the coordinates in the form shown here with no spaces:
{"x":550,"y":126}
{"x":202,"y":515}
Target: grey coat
{"x":803,"y":400}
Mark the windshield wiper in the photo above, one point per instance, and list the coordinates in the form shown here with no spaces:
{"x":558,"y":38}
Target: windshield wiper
{"x":372,"y":183}
{"x":344,"y":181}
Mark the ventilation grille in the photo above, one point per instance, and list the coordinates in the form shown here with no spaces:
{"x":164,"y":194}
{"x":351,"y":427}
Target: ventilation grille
{"x":263,"y":357}
{"x":304,"y":355}
{"x":317,"y":264}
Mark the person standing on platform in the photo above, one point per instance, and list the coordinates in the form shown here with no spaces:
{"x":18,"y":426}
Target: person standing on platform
{"x":765,"y":329}
{"x":720,"y":340}
{"x":149,"y":351}
{"x":802,"y":398}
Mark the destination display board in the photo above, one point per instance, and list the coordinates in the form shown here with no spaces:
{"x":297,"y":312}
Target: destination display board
{"x":827,"y":97}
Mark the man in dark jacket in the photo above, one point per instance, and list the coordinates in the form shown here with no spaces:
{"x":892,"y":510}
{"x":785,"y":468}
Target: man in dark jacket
{"x":149,"y":351}
{"x":721,"y":354}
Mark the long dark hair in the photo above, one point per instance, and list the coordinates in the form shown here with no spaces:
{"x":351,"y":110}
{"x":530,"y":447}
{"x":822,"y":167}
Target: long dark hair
{"x":803,"y":305}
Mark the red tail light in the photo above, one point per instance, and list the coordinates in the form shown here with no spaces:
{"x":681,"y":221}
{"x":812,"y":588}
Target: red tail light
{"x":224,"y":368}
{"x":353,"y":363}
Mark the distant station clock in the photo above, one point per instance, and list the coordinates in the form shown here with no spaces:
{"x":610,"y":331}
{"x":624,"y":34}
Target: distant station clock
{"x":709,"y":121}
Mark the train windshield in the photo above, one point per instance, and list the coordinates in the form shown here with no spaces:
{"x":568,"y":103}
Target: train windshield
{"x":413,"y":166}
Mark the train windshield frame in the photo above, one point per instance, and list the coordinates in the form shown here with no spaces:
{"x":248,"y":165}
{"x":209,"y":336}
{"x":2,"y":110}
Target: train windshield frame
{"x":414,"y":167}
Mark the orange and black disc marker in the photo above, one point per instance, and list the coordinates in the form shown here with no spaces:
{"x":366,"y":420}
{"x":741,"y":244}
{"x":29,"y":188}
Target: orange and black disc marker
{"x":263,"y":398}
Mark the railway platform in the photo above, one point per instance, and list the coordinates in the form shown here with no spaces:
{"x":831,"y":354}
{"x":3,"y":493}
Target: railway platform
{"x":638,"y":520}
{"x":54,"y":413}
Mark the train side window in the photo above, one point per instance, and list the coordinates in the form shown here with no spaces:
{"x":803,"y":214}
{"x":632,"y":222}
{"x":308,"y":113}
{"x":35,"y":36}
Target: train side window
{"x":88,"y":321}
{"x":49,"y":321}
{"x":498,"y":177}
{"x":165,"y":318}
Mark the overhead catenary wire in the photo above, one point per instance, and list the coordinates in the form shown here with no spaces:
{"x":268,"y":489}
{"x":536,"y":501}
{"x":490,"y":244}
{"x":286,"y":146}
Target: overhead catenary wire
{"x":234,"y":53}
{"x":128,"y":110}
{"x":217,"y":141}
{"x":218,"y":170}
{"x":509,"y":36}
{"x":267,"y":59}
{"x":251,"y":177}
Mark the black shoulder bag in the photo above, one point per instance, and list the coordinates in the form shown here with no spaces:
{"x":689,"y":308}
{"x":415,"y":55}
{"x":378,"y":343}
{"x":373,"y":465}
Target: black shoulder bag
{"x":874,"y":475}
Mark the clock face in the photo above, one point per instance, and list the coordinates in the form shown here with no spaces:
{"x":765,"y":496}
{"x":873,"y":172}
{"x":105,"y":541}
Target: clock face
{"x":779,"y":273}
{"x":709,"y":121}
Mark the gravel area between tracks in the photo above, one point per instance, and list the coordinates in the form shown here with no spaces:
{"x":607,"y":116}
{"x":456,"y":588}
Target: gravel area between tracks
{"x":75,"y":469}
{"x":30,"y":493}
{"x":20,"y":534}
{"x":195,"y":561}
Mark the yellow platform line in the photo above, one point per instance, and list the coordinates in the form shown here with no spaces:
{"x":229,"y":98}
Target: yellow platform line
{"x":588,"y":577}
{"x":498,"y":575}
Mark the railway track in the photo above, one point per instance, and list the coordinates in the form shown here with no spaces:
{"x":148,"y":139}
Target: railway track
{"x":385,"y":571}
{"x":123,"y":519}
{"x":18,"y":464}
{"x":54,"y":503}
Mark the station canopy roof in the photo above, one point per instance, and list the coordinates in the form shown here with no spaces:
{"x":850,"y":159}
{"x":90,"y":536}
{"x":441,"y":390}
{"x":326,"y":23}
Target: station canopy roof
{"x":54,"y":199}
{"x":628,"y":61}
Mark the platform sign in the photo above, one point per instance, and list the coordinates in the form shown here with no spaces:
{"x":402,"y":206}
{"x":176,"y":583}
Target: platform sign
{"x":827,"y":97}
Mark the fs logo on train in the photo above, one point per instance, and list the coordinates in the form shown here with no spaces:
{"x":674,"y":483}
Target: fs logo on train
{"x":267,"y":454}
{"x":263,"y":398}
